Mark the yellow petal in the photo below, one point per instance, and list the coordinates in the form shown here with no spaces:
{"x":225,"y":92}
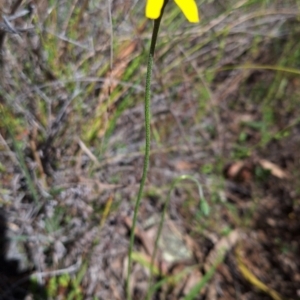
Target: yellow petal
{"x":189,"y":8}
{"x":153,"y":8}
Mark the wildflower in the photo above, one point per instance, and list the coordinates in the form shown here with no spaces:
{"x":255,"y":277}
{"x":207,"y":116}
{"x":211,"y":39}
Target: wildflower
{"x":188,"y":7}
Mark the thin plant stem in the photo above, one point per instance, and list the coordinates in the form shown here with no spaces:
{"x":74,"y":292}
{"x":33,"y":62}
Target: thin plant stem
{"x":203,"y":207}
{"x":147,"y":144}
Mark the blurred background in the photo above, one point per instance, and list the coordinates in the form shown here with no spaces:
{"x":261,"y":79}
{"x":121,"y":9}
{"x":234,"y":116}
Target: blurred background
{"x":225,"y":110}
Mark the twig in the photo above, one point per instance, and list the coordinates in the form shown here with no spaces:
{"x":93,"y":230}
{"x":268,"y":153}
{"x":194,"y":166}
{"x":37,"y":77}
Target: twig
{"x":88,"y":152}
{"x":9,"y":26}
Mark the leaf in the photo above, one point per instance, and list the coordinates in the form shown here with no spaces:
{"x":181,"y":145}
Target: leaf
{"x":274,"y":169}
{"x":145,"y":262}
{"x":250,"y":277}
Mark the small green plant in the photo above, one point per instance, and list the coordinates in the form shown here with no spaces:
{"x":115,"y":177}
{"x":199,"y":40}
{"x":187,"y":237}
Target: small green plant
{"x":204,"y":208}
{"x":154,"y":10}
{"x":53,"y":224}
{"x":66,"y":285}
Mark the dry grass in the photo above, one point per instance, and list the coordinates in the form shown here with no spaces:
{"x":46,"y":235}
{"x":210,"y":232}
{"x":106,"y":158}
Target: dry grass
{"x":71,"y":141}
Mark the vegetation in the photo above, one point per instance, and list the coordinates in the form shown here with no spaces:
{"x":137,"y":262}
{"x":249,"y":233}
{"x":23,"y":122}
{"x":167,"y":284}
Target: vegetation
{"x":225,"y":115}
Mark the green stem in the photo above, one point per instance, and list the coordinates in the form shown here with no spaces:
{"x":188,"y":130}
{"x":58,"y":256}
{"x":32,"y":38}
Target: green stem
{"x":147,"y":144}
{"x":204,"y":208}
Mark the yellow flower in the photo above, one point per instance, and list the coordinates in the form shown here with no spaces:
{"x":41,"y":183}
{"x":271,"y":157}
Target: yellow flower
{"x":188,"y":7}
